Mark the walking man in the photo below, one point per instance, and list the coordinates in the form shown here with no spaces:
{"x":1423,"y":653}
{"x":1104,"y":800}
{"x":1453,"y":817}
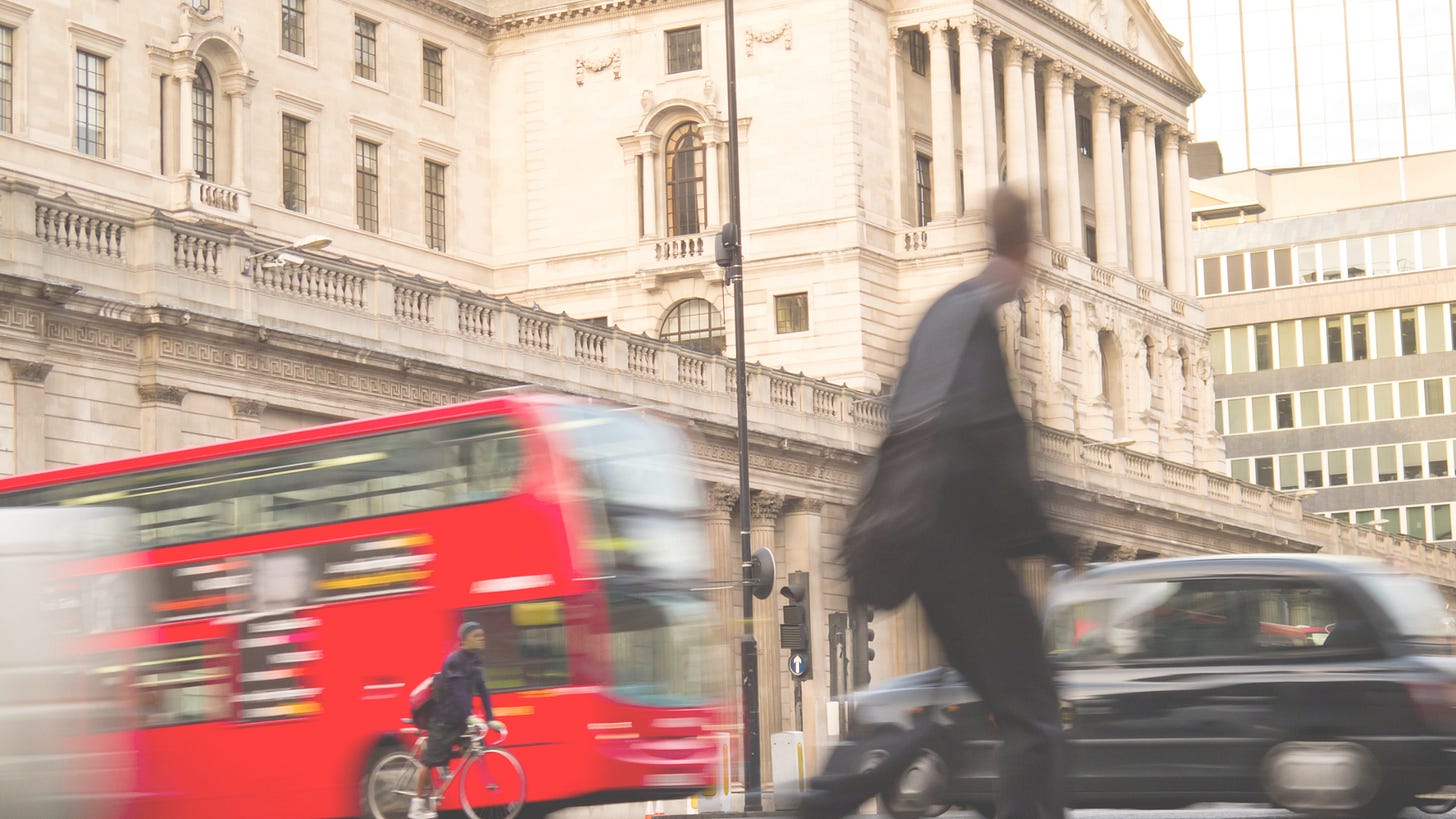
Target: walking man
{"x":987,"y":512}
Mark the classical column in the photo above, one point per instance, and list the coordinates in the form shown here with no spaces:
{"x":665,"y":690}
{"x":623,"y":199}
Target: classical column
{"x":1074,"y":161}
{"x":973,"y":150}
{"x":238,"y":137}
{"x":161,"y":417}
{"x":1155,"y":211}
{"x":726,"y":593}
{"x":990,"y":144}
{"x":710,"y":158}
{"x":764,"y":513}
{"x":29,"y":443}
{"x":897,"y":130}
{"x":1119,"y":188}
{"x":1176,"y":276}
{"x":1033,"y":140}
{"x":942,"y":123}
{"x":1140,"y":219}
{"x":1102,"y":183}
{"x":1057,"y":176}
{"x":804,"y":551}
{"x":1185,"y":214}
{"x":1015,"y":118}
{"x":185,"y":76}
{"x":649,"y":187}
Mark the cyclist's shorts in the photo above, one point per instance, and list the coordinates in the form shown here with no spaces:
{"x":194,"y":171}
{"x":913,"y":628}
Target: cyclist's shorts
{"x":440,"y":743}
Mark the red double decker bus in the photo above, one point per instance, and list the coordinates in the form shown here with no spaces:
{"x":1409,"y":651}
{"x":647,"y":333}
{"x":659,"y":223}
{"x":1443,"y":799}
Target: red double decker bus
{"x":286,"y":592}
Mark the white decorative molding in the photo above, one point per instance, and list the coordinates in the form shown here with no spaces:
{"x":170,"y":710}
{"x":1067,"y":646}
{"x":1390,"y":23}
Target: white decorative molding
{"x":599,"y":64}
{"x":784,"y":32}
{"x":297,"y":102}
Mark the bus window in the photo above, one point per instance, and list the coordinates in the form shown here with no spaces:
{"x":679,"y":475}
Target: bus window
{"x":525,"y":645}
{"x":181,"y":683}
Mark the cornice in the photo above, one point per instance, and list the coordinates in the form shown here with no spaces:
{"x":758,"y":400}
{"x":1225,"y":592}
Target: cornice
{"x":455,"y":13}
{"x":566,"y":13}
{"x":1075,"y":26}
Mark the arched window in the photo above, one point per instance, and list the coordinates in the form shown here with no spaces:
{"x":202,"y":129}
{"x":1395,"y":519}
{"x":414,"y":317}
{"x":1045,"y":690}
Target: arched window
{"x":204,"y":120}
{"x":696,"y":324}
{"x":1066,"y":328}
{"x":1111,"y":354}
{"x":1151,"y":350}
{"x":687,"y":199}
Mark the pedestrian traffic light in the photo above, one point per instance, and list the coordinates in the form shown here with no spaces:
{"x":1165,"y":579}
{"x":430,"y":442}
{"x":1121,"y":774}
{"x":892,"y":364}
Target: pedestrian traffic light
{"x":794,"y":631}
{"x":863,"y":636}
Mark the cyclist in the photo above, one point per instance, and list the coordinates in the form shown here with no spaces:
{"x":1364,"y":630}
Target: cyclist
{"x":461,"y":680}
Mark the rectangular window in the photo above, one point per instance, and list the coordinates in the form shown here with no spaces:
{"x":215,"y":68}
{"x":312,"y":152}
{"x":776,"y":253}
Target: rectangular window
{"x":293,"y":11}
{"x":1441,"y":521}
{"x":1263,"y":418}
{"x":1339,"y":471}
{"x":1264,"y":346}
{"x":685,"y":49}
{"x":1430,"y":249}
{"x":1264,"y":472}
{"x":1330,"y":261}
{"x":1385,"y":346}
{"x":1309,"y":331}
{"x":1392,"y":520}
{"x":1385,"y":468}
{"x":917,"y":43}
{"x":366,"y":43}
{"x":1308,"y":264}
{"x":295,"y":164}
{"x":1364,"y":516}
{"x":1259,"y":270}
{"x":1288,"y":472}
{"x":1335,"y":339}
{"x":1212,"y":275}
{"x":1084,"y":137}
{"x":434,"y":74}
{"x":1359,"y":404}
{"x":1335,"y":405}
{"x":1409,"y":393}
{"x":1435,"y":337}
{"x":791,"y":312}
{"x":1238,"y":422}
{"x":1239,"y":469}
{"x":1314,"y":470}
{"x":923,"y":191}
{"x":1438,"y":458}
{"x":1218,"y":410}
{"x":1235,"y":264}
{"x":1343,"y":517}
{"x":1412,"y":465}
{"x":1405,"y":253}
{"x":1415,"y":521}
{"x":90,"y":104}
{"x":7,"y":79}
{"x":1379,"y":255}
{"x":1384,"y":401}
{"x":1287,"y":333}
{"x":366,"y":185}
{"x":1284,"y":410}
{"x":1359,"y":346}
{"x":526,"y":649}
{"x":1451,"y":317}
{"x":1363,"y":472}
{"x":1435,"y":397}
{"x":435,"y":205}
{"x":1355,"y":266}
{"x":1408,"y":334}
{"x":1218,"y":351}
{"x":1309,"y":411}
{"x":1283,"y":267}
{"x":1239,"y":349}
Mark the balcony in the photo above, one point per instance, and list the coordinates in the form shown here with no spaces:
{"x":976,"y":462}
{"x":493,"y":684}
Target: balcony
{"x":214,"y":201}
{"x":662,"y":259}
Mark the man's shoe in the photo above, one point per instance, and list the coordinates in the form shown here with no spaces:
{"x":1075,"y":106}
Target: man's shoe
{"x":422,"y":808}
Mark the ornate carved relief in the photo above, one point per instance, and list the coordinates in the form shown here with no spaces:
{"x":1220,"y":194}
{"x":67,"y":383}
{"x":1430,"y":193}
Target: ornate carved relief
{"x":784,"y":32}
{"x":29,"y":372}
{"x":91,"y":335}
{"x":161,"y":394}
{"x":1130,"y":34}
{"x":766,"y":506}
{"x":722,"y":497}
{"x":812,"y":506}
{"x":20,"y":318}
{"x":599,"y":64}
{"x":248,"y":408}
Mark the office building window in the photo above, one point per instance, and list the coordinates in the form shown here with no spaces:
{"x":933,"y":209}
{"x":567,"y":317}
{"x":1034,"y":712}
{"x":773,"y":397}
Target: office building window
{"x":1359,"y":346}
{"x":1335,"y":339}
{"x":923,"y":190}
{"x":365,"y":49}
{"x":434,"y":75}
{"x":1408,"y":334}
{"x":792,"y":312}
{"x":687,"y":198}
{"x":293,"y":37}
{"x":366,"y":185}
{"x":90,"y":104}
{"x":1284,"y":410}
{"x":435,"y":205}
{"x":204,"y":117}
{"x":917,"y":43}
{"x":295,"y":164}
{"x":7,"y":79}
{"x":1339,"y":470}
{"x":684,"y":50}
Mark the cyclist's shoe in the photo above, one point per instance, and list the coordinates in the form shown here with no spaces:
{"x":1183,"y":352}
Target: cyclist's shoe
{"x":422,"y":808}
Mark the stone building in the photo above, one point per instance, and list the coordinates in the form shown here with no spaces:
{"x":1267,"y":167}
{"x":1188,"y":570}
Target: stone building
{"x":525,"y":192}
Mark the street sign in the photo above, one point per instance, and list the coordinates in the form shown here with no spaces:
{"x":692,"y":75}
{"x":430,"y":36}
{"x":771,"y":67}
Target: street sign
{"x":798,"y":664}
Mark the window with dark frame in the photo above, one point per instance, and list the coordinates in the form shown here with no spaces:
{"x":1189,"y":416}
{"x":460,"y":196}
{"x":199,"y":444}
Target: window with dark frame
{"x":295,"y":164}
{"x":684,"y":49}
{"x":90,"y":104}
{"x":434,"y":74}
{"x":1408,"y":336}
{"x":365,"y":49}
{"x":435,"y":205}
{"x":7,"y":79}
{"x":792,"y":312}
{"x":953,"y":44}
{"x":366,"y":185}
{"x":204,"y":120}
{"x":923,"y":191}
{"x":687,"y":198}
{"x":293,"y":35}
{"x":1084,"y":135}
{"x":695,"y":324}
{"x":917,"y":44}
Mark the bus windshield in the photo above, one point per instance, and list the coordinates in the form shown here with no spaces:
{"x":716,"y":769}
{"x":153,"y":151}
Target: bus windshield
{"x":663,"y":650}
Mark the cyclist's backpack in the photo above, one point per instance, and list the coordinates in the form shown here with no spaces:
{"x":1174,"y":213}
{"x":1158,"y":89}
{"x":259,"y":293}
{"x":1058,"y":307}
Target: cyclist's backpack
{"x":422,"y":702}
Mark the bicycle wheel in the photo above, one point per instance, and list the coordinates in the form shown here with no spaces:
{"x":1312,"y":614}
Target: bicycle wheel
{"x":492,"y":785}
{"x":391,"y":785}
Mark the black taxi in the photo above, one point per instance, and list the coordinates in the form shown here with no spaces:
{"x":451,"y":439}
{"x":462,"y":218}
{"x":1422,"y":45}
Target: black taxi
{"x":1315,"y":683}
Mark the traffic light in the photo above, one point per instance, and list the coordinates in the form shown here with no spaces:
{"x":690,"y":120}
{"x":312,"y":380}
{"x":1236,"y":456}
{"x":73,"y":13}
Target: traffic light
{"x":794,"y":631}
{"x":864,"y":639}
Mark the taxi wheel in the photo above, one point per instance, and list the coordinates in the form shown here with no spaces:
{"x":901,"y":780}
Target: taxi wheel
{"x":920,"y":790}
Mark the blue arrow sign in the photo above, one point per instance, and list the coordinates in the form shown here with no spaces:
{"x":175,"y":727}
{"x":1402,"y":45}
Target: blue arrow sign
{"x":797,"y":664}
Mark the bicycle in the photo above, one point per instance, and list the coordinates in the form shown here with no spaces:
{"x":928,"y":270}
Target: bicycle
{"x":492,"y":782}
